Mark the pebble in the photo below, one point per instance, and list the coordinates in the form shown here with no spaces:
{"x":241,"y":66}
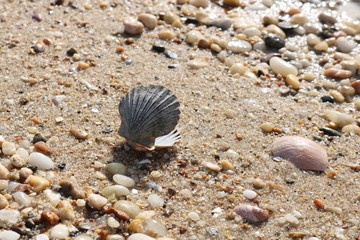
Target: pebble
{"x":9,"y":235}
{"x":193,"y":216}
{"x":79,"y":134}
{"x":299,"y":19}
{"x":4,"y":172}
{"x":351,"y":128}
{"x":293,"y":81}
{"x":4,"y":184}
{"x":97,"y":201}
{"x":279,"y":66}
{"x":59,"y":231}
{"x":9,"y":216}
{"x":312,"y":39}
{"x":223,"y":23}
{"x":267,"y":127}
{"x":38,"y":183}
{"x":124,"y":180}
{"x":302,"y":152}
{"x":197,"y":64}
{"x":274,"y":41}
{"x":22,"y":199}
{"x":345,"y":45}
{"x":41,"y":161}
{"x":155,"y":201}
{"x":8,"y":148}
{"x":337,"y":96}
{"x":140,"y":236}
{"x":41,"y":237}
{"x":327,"y":18}
{"x":200,"y":3}
{"x":356,"y":86}
{"x":70,"y":187}
{"x":357,"y":104}
{"x":249,"y":194}
{"x":321,"y":46}
{"x":330,"y":132}
{"x":238,"y":68}
{"x":251,"y":213}
{"x":259,"y":183}
{"x":275,"y":30}
{"x":232,"y":3}
{"x":340,"y":119}
{"x":193,"y":37}
{"x":226,"y":165}
{"x":238,"y":46}
{"x":290,"y":218}
{"x":83,"y":66}
{"x":149,"y":20}
{"x":116,"y":168}
{"x":128,"y":207}
{"x":133,"y":27}
{"x":50,"y":218}
{"x":3,"y":202}
{"x":116,"y":191}
{"x":52,"y":196}
{"x":308,"y":76}
{"x":39,"y":47}
{"x":212,"y":166}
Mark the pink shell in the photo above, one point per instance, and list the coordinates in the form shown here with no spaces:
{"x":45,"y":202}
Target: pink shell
{"x":252,"y":214}
{"x":302,"y":152}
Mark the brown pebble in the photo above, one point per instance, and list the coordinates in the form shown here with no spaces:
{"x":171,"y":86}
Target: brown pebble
{"x":318,"y":203}
{"x":79,"y":134}
{"x":238,"y":136}
{"x":49,"y":217}
{"x":120,"y":50}
{"x":119,"y":214}
{"x":47,"y":41}
{"x":42,"y":146}
{"x":82,"y":66}
{"x":203,"y":43}
{"x":337,"y":73}
{"x":296,"y":234}
{"x":356,"y":86}
{"x":331,"y":174}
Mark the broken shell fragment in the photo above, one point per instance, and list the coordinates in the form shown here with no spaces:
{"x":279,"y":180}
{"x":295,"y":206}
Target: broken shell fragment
{"x":302,"y":152}
{"x":149,"y":115}
{"x":252,"y":214}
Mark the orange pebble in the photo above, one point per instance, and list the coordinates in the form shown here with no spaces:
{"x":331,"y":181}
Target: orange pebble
{"x":36,"y":120}
{"x":318,"y":203}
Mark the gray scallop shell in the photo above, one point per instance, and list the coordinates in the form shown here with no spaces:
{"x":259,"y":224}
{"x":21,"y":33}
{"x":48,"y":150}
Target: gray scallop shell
{"x":148,"y":112}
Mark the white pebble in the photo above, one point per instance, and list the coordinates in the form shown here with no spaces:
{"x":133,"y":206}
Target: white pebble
{"x":249,"y":194}
{"x":291,"y":219}
{"x":10,"y":216}
{"x":345,"y":45}
{"x":124,"y":180}
{"x":22,"y":199}
{"x":238,"y":46}
{"x":155,"y":201}
{"x":200,"y":3}
{"x":252,"y":32}
{"x":340,"y":119}
{"x":41,"y":237}
{"x":59,"y":231}
{"x":52,"y":196}
{"x":194,"y":216}
{"x":115,"y":191}
{"x":140,"y":236}
{"x":9,"y":235}
{"x":4,"y":172}
{"x":112,"y":222}
{"x":231,"y":154}
{"x":8,"y":148}
{"x":212,"y":166}
{"x":279,"y":66}
{"x":154,"y":228}
{"x":97,"y":201}
{"x":85,"y":237}
{"x":41,"y":161}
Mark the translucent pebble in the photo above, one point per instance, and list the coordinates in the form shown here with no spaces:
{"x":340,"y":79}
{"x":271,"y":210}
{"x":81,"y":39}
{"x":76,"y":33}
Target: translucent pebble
{"x":154,"y":228}
{"x":84,"y":237}
{"x":112,"y":222}
{"x":22,"y":199}
{"x":140,"y":236}
{"x":59,"y":231}
{"x":116,"y":191}
{"x":279,"y":66}
{"x":9,"y":216}
{"x":116,"y":168}
{"x":38,"y":183}
{"x":249,"y":194}
{"x":8,"y":148}
{"x":41,"y":161}
{"x":3,"y":202}
{"x":211,"y":166}
{"x":193,"y":37}
{"x":291,"y":219}
{"x":194,"y":216}
{"x":41,"y":237}
{"x":128,"y":207}
{"x":238,"y":46}
{"x":238,"y":68}
{"x":345,"y":45}
{"x":124,"y":180}
{"x":52,"y":196}
{"x":9,"y":235}
{"x":97,"y":201}
{"x":115,"y":237}
{"x":340,"y":119}
{"x":155,"y":201}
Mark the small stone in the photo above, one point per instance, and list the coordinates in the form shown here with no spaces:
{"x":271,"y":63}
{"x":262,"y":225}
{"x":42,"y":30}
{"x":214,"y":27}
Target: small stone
{"x":340,"y":119}
{"x":274,"y":41}
{"x":193,"y":37}
{"x":59,"y":119}
{"x":97,"y":201}
{"x":299,"y":19}
{"x":155,"y":201}
{"x":42,"y":146}
{"x":79,"y":134}
{"x":230,"y":113}
{"x":116,"y":168}
{"x":116,"y":191}
{"x":345,"y":45}
{"x":170,"y":54}
{"x":327,"y":18}
{"x":171,"y":17}
{"x":238,"y":46}
{"x":112,"y":222}
{"x":166,"y":35}
{"x":321,"y":46}
{"x":226,"y":165}
{"x":9,"y":235}
{"x":238,"y":68}
{"x":83,"y":66}
{"x":290,"y":218}
{"x":337,"y":96}
{"x":308,"y":76}
{"x":124,"y":180}
{"x":197,"y":64}
{"x":9,"y":216}
{"x":352,"y":128}
{"x":156,"y":174}
{"x":4,"y":172}
{"x":38,"y":183}
{"x":128,"y":207}
{"x":252,"y":214}
{"x":223,"y":23}
{"x":275,"y":30}
{"x":22,"y":199}
{"x":356,"y":86}
{"x":312,"y":39}
{"x":3,"y":202}
{"x":154,"y":228}
{"x":149,"y":20}
{"x":71,"y":188}
{"x":232,"y":3}
{"x":249,"y":194}
{"x":267,"y":127}
{"x":39,"y":47}
{"x":8,"y":148}
{"x":59,"y":231}
{"x":293,"y":81}
{"x":140,"y":236}
{"x":330,"y":132}
{"x":279,"y":66}
{"x":52,"y":196}
{"x":211,"y":166}
{"x":133,"y":27}
{"x":252,"y":32}
{"x":258,"y":183}
{"x":193,"y":216}
{"x":41,"y":161}
{"x":200,"y":3}
{"x":357,"y":104}
{"x":49,"y":217}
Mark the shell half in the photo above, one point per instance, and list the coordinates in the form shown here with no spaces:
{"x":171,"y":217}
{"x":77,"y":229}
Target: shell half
{"x":148,"y":112}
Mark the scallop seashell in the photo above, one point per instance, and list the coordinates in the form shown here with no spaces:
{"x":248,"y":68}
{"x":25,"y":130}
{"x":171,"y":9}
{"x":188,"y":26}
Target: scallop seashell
{"x":251,"y":213}
{"x":302,"y":152}
{"x":148,"y":113}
